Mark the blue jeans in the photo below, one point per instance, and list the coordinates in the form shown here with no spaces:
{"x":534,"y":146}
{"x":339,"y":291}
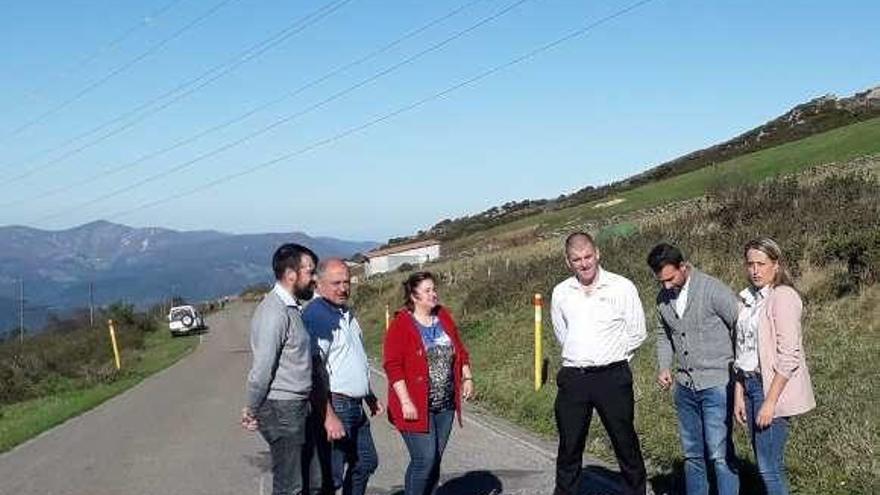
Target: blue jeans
{"x":282,"y":424}
{"x":769,"y":443}
{"x":704,"y":424}
{"x":426,"y":453}
{"x":357,"y":449}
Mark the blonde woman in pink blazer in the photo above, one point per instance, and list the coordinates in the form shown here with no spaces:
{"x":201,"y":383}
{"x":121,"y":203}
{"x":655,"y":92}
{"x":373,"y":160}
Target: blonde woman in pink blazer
{"x":773,"y":383}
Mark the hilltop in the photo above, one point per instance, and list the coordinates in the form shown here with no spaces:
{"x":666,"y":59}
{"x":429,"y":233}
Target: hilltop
{"x":812,"y":118}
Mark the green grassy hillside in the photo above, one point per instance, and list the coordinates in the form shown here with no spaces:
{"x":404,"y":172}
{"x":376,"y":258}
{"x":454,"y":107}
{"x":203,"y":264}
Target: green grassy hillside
{"x":839,"y":145}
{"x":828,"y":222}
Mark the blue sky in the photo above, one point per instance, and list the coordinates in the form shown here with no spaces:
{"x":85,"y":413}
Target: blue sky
{"x":665,"y":79}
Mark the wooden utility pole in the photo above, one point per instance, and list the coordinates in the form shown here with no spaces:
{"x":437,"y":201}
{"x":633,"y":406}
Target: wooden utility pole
{"x":20,"y":310}
{"x":91,"y":305}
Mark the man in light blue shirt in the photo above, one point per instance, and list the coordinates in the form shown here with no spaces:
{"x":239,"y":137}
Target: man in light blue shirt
{"x":338,"y":343}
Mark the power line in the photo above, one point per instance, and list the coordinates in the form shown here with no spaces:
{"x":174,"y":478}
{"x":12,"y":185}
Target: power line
{"x":115,"y":72}
{"x":284,"y":120}
{"x":145,"y":21}
{"x":388,"y":116}
{"x":128,"y":165}
{"x":233,"y":63}
{"x":81,"y":295}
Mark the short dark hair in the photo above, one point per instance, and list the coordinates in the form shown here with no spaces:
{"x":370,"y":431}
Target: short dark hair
{"x":290,"y":256}
{"x":664,"y":254}
{"x":573,"y":237}
{"x":410,"y":284}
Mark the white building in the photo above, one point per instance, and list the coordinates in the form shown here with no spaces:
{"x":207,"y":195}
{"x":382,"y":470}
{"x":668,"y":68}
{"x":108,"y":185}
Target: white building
{"x":389,"y":259}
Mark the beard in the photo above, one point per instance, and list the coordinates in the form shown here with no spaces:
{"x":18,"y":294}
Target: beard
{"x":304,"y":293}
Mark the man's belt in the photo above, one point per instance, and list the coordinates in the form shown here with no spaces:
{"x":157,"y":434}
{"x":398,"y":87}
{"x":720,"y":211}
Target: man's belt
{"x":603,"y":367}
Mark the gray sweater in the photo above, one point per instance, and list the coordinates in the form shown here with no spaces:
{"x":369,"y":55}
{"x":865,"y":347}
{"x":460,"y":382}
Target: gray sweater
{"x":282,"y":366}
{"x":702,"y":339}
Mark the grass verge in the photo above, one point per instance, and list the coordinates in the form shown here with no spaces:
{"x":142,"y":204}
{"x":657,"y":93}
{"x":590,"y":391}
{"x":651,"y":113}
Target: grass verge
{"x":24,"y":420}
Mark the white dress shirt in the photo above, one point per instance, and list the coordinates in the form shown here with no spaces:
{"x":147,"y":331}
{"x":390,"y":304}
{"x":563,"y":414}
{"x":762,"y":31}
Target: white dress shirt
{"x":599,"y":327}
{"x":747,"y":328}
{"x":681,"y":300}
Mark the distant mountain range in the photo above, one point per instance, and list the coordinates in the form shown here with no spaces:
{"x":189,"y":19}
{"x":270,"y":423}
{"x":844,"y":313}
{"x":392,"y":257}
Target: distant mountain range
{"x":137,"y":265}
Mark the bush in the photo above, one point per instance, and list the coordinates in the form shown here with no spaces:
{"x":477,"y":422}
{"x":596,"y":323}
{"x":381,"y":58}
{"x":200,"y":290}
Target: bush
{"x":860,"y":251}
{"x":255,"y":291}
{"x":69,"y":355}
{"x":405,"y":267}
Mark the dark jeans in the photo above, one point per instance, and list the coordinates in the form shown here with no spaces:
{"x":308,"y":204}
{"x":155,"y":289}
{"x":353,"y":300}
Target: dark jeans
{"x":355,"y":450}
{"x":608,"y":390}
{"x":283,"y":425}
{"x":426,"y":453}
{"x":704,"y":425}
{"x":769,"y":443}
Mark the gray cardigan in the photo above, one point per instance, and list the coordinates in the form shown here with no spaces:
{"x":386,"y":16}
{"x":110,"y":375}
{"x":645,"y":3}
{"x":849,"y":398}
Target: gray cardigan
{"x":282,"y":366}
{"x":702,"y":340}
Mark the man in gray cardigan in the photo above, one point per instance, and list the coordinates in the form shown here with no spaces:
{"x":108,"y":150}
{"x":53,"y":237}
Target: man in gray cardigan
{"x":280,"y":379}
{"x":697,"y":323}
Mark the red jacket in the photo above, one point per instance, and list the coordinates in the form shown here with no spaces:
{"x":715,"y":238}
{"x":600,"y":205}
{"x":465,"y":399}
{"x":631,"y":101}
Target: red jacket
{"x":404,"y":359}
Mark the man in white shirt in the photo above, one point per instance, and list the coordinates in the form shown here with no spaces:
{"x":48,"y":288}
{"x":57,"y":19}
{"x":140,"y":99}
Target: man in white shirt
{"x":345,"y":370}
{"x":599,"y":323}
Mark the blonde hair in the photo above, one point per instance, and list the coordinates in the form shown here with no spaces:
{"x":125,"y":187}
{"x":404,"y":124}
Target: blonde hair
{"x":771,"y":248}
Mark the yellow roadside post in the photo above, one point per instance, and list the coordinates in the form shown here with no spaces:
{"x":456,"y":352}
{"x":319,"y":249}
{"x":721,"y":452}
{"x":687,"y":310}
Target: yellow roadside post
{"x":113,"y":340}
{"x":539,"y":354}
{"x":387,"y":317}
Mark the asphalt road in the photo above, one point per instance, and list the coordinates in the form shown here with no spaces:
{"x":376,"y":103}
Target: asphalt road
{"x":178,"y":433}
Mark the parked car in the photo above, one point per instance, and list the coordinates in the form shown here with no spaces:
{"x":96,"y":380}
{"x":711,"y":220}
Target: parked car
{"x":183,"y":320}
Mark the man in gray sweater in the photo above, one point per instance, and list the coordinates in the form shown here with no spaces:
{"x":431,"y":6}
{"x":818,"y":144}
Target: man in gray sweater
{"x":280,"y":379}
{"x":697,"y":323}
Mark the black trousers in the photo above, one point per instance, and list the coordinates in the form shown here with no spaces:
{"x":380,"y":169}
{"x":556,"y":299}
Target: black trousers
{"x":609,"y":391}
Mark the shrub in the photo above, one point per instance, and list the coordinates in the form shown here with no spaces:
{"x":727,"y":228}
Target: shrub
{"x":255,"y":291}
{"x":69,"y":355}
{"x":860,"y":251}
{"x":405,"y":267}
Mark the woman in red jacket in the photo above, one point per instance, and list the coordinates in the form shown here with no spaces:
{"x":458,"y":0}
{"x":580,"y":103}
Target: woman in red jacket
{"x":428,"y":375}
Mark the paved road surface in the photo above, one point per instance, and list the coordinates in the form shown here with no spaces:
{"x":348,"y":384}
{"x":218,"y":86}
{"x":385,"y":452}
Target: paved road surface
{"x":178,"y":433}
